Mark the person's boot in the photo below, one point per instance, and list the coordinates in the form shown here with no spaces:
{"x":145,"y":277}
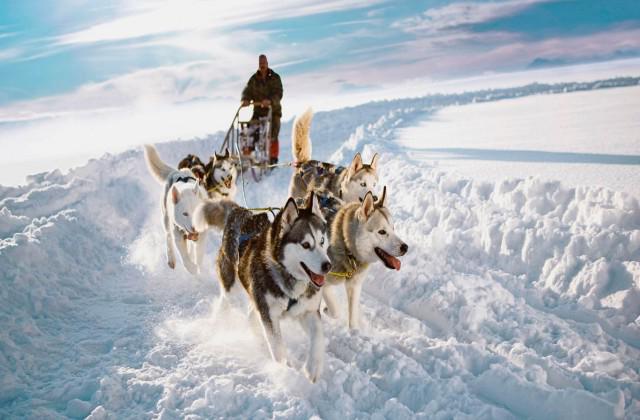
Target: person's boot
{"x":274,"y":151}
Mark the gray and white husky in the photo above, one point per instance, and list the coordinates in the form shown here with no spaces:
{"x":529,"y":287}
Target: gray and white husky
{"x":281,"y":265}
{"x":361,"y":234}
{"x":182,"y":194}
{"x":220,"y":176}
{"x":349,"y":184}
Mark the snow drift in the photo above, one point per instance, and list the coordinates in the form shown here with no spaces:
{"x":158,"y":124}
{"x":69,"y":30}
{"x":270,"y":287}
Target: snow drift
{"x":519,"y":298}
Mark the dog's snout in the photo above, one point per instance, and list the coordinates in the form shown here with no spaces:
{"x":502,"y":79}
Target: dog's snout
{"x":326,"y":266}
{"x":375,"y":198}
{"x":404,"y":248}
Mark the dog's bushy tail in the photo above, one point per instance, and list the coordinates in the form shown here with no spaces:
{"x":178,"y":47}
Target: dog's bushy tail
{"x":157,"y":167}
{"x":301,"y":142}
{"x":212,"y":214}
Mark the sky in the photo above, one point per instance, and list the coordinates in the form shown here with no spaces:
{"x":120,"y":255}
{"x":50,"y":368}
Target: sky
{"x":123,"y":64}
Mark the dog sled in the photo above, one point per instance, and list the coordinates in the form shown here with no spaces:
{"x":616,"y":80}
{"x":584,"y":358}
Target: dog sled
{"x":249,"y":142}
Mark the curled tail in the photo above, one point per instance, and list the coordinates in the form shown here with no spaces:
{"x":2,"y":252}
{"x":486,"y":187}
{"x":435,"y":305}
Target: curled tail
{"x":301,"y":142}
{"x":157,"y":167}
{"x":212,"y":214}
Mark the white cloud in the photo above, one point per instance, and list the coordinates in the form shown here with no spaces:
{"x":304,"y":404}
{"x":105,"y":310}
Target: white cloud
{"x":10,"y":53}
{"x":174,"y":16}
{"x":463,"y":13}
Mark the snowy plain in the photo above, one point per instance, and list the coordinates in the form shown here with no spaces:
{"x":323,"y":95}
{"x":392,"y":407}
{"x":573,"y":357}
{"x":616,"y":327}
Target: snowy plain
{"x":519,"y":298}
{"x":587,"y":138}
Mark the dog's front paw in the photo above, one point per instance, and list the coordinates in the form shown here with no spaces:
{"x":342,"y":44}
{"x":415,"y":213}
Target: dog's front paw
{"x":171,"y":264}
{"x":191,"y":267}
{"x":312,"y":371}
{"x":354,"y":325}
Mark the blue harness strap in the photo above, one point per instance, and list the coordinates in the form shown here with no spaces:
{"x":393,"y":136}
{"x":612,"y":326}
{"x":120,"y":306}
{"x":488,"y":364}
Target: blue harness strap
{"x":244,"y":238}
{"x":324,"y":201}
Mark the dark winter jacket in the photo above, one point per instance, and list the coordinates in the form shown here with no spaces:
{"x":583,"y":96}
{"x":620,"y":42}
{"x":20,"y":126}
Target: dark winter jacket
{"x":258,"y":89}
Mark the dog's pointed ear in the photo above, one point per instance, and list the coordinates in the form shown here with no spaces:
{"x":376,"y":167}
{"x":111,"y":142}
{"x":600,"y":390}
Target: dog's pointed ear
{"x":374,"y":162}
{"x":289,"y":214}
{"x":356,"y":165}
{"x":367,"y":206}
{"x":175,"y":195}
{"x":209,"y":165}
{"x":313,"y":204}
{"x":380,"y":202}
{"x":226,"y":153}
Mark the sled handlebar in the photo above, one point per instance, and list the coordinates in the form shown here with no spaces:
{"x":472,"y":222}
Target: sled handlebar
{"x":254,"y":103}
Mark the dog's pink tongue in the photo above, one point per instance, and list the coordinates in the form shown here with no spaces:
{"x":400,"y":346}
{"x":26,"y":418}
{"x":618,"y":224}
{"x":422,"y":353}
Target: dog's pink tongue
{"x":394,"y":262}
{"x":317,"y":279}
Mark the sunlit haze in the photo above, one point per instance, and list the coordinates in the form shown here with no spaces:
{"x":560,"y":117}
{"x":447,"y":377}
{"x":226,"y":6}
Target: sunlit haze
{"x":81,"y":78}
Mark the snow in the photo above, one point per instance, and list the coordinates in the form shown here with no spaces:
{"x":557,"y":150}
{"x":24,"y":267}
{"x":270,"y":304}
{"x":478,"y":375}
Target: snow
{"x":587,"y":138}
{"x":519,"y":297}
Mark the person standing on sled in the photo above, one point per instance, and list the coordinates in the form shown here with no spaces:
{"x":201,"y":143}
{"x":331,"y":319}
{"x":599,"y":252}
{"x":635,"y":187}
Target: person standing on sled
{"x":264,"y":88}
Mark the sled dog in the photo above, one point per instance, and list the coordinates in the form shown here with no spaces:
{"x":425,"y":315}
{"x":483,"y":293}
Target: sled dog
{"x":349,"y":184}
{"x":219,"y":174}
{"x":361,"y":234}
{"x":281,"y":265}
{"x":182,"y":193}
{"x":194,"y":163}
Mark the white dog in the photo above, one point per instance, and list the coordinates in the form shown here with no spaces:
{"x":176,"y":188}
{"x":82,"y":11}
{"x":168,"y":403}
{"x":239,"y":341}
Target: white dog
{"x":182,"y":194}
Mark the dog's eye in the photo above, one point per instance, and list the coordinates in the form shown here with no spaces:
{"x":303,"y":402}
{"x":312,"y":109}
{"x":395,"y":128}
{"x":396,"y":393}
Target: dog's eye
{"x":363,"y":184}
{"x":185,"y":214}
{"x":382,"y":232}
{"x":322,"y":241}
{"x":306,"y":245}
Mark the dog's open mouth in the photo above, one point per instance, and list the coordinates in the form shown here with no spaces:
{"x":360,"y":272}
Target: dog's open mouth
{"x":389,"y":260}
{"x":227,"y":183}
{"x":316,"y":279}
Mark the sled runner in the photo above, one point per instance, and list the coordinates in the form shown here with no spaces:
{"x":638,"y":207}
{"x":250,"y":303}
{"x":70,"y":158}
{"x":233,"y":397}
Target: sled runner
{"x":250,"y":141}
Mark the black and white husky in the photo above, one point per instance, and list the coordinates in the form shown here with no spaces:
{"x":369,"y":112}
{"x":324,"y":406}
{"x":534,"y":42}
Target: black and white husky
{"x":182,"y":194}
{"x":281,"y":265}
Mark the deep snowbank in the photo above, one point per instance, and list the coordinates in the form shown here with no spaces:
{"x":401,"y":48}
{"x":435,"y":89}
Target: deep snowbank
{"x":518,"y":298}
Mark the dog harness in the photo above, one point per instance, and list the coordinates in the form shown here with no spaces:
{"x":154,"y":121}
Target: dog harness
{"x":217,"y":189}
{"x":347,"y":274}
{"x":186,"y":179}
{"x":244,"y":238}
